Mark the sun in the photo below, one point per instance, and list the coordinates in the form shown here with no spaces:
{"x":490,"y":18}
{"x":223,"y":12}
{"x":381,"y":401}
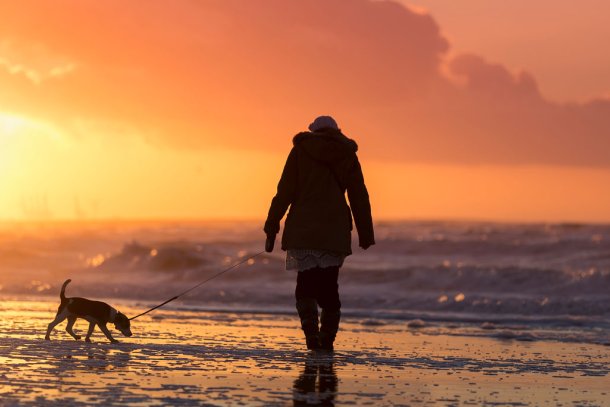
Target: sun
{"x":11,"y":124}
{"x":31,"y":130}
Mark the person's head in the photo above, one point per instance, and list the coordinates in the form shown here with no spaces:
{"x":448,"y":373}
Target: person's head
{"x":323,"y":122}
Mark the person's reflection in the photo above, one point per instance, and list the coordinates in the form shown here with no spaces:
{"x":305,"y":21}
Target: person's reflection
{"x":322,"y":371}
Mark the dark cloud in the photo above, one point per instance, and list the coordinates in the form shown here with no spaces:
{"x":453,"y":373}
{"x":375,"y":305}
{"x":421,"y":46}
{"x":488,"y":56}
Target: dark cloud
{"x":250,"y":73}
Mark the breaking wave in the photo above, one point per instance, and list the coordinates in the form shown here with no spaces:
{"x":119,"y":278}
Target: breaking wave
{"x":485,"y":272}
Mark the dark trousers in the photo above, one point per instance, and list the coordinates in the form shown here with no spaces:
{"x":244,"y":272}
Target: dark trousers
{"x":321,"y":284}
{"x":319,"y":287}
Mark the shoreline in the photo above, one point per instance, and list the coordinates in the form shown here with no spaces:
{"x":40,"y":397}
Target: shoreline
{"x":574,"y":329}
{"x":232,"y":359}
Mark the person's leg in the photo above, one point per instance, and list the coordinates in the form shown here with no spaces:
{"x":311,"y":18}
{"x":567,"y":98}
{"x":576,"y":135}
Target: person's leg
{"x":328,"y":299}
{"x":307,"y":307}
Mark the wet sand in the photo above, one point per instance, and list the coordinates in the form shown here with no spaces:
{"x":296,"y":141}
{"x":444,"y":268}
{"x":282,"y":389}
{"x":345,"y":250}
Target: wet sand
{"x":195,"y":358}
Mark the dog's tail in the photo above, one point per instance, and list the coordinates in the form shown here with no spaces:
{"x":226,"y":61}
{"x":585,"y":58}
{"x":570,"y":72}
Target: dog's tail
{"x":62,"y":294}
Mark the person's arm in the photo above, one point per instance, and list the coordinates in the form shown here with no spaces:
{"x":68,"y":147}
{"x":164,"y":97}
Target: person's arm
{"x":361,"y":206}
{"x":286,"y":192}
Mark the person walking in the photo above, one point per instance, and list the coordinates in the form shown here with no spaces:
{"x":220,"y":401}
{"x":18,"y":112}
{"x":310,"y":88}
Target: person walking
{"x":321,"y":167}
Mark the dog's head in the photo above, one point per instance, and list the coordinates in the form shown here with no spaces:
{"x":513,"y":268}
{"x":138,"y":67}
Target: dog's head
{"x":122,"y":323}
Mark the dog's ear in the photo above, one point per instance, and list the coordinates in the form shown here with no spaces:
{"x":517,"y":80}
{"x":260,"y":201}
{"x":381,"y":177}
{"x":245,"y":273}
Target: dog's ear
{"x":121,"y":319}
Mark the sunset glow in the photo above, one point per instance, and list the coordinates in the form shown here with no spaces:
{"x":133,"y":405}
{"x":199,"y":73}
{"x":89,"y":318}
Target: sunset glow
{"x":304,"y":202}
{"x":164,"y":110}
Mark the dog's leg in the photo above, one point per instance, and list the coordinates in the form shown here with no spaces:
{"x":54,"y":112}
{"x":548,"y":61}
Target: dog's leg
{"x":58,"y":319}
{"x":71,"y":321}
{"x":90,"y":331}
{"x":107,"y":333}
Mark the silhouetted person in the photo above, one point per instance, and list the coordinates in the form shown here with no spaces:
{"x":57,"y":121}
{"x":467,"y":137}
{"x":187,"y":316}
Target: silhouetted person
{"x":320,"y":168}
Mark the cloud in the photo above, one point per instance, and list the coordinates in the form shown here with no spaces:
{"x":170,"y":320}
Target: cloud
{"x":497,"y":116}
{"x":36,"y":63}
{"x":250,"y":73}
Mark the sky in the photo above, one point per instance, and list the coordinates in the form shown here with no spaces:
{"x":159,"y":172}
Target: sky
{"x":185,"y":109}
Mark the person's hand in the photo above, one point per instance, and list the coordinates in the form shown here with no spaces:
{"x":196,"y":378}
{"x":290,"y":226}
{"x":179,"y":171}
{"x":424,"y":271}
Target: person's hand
{"x":269,"y":243}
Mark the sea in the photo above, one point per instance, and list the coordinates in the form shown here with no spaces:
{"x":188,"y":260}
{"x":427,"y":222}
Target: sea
{"x":525,"y":282}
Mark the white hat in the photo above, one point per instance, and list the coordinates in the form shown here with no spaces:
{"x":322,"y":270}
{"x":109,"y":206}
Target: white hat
{"x":322,"y":122}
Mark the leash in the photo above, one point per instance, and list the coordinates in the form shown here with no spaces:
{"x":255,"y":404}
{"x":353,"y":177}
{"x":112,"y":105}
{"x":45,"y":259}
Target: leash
{"x":199,"y":285}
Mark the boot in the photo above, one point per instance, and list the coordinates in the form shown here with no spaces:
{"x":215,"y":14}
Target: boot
{"x":330,"y":325}
{"x":308,"y":312}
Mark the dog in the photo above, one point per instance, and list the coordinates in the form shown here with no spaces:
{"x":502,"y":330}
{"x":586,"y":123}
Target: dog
{"x":96,"y":312}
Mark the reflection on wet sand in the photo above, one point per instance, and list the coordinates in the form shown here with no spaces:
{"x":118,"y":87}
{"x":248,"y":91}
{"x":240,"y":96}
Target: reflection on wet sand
{"x":90,"y":358}
{"x":194,"y":359}
{"x":318,"y":369}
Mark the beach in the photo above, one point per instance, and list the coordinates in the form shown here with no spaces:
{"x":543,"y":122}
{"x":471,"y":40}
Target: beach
{"x":436,"y":313}
{"x":177,"y":357}
{"x":421,"y":179}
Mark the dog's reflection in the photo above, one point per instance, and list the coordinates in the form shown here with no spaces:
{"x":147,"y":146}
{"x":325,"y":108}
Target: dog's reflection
{"x":317,"y":385}
{"x":79,"y":358}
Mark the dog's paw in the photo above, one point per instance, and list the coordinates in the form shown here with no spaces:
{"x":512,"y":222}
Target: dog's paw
{"x":77,"y":337}
{"x":47,"y":338}
{"x":114,"y":341}
{"x":87,"y":340}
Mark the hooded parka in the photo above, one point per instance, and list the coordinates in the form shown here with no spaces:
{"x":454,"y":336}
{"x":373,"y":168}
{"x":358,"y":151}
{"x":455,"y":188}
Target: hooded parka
{"x":320,"y":168}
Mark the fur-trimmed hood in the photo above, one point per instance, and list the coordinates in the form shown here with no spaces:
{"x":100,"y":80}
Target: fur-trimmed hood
{"x":327,"y":145}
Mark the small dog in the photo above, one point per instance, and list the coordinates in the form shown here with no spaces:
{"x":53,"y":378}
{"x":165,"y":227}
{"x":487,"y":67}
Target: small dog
{"x":96,"y":312}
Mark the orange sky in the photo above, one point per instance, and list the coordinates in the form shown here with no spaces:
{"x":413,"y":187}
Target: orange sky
{"x":186,"y":109}
{"x":561,"y":42}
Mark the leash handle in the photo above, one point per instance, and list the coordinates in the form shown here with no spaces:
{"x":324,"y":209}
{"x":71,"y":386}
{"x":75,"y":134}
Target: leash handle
{"x":199,"y":285}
